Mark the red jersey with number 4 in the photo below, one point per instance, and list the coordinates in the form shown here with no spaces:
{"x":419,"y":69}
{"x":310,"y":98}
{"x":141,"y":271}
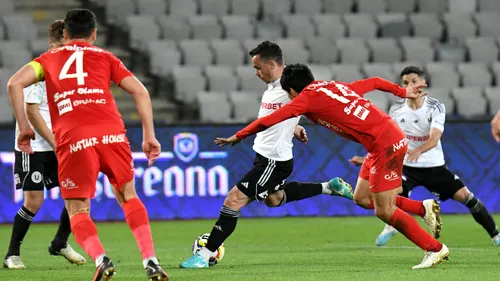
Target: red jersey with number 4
{"x":339,"y":107}
{"x":78,"y":77}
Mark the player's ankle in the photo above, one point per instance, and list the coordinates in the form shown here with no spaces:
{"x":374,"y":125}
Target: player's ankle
{"x":206,"y":253}
{"x":99,"y":260}
{"x":326,"y":190}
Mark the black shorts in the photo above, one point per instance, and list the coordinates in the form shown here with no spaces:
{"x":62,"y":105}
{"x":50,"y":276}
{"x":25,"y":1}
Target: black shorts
{"x":266,"y":176}
{"x":438,"y":180}
{"x":35,"y":171}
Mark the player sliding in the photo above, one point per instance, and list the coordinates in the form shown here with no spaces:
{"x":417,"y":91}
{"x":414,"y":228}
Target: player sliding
{"x":422,"y":120}
{"x":90,"y":134}
{"x":341,"y":108}
{"x":273,"y":161}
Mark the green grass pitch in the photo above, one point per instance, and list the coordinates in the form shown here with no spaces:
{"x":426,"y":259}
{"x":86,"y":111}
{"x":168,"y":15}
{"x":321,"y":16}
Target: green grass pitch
{"x":316,"y":249}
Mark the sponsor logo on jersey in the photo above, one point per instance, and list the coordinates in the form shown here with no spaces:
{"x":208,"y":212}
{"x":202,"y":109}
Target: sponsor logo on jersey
{"x":83,"y":144}
{"x":391,"y":176}
{"x":68,"y":184}
{"x":399,"y":145}
{"x":64,"y":106}
{"x":361,"y":112}
{"x":268,"y":105}
{"x":417,"y":138}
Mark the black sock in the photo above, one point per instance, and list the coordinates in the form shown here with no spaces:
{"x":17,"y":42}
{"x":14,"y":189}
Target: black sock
{"x":22,"y":222}
{"x":481,"y":215}
{"x":295,"y":191}
{"x":61,"y":239}
{"x":224,"y":226}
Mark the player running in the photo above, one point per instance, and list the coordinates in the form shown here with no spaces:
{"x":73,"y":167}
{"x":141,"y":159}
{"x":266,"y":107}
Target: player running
{"x":422,"y":120}
{"x":273,"y":161}
{"x":495,"y":127}
{"x":33,"y":172}
{"x":340,"y":107}
{"x":90,"y":134}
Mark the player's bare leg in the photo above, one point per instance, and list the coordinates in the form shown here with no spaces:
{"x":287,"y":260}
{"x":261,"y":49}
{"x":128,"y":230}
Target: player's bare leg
{"x":137,"y":219}
{"x":222,"y":229}
{"x":85,"y":233}
{"x":478,"y":212}
{"x":387,"y":211}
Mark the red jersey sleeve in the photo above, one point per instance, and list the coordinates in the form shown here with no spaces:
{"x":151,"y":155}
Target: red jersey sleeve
{"x":118,"y":70}
{"x":364,"y":86}
{"x":296,"y":107}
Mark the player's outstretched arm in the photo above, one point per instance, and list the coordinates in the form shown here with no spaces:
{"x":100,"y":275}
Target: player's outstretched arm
{"x":150,"y":145}
{"x":39,"y":124}
{"x":364,"y":86}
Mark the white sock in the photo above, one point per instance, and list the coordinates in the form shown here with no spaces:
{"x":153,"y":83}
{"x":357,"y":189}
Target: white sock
{"x":99,"y":259}
{"x":206,"y":254}
{"x":326,"y":190}
{"x":146,"y":261}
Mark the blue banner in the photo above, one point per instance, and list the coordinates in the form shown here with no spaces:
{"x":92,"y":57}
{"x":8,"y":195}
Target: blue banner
{"x":192,"y":176}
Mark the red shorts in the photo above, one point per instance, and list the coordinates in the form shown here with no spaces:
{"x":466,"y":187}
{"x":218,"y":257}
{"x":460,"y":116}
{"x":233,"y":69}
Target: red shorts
{"x":82,"y":155}
{"x":383,"y":167}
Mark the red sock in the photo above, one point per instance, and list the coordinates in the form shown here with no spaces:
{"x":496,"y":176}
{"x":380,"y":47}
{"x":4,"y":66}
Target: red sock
{"x":138,"y":221}
{"x":410,"y":228}
{"x":411,"y":206}
{"x":85,"y":233}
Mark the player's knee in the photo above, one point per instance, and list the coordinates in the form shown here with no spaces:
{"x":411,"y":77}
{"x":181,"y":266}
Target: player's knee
{"x":463,"y":195}
{"x":77,"y":206}
{"x":274,"y":199}
{"x":362,"y":201}
{"x":33,"y":200}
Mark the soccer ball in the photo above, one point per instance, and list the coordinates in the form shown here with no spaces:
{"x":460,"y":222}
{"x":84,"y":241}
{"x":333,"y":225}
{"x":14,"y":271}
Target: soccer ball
{"x":201,"y":241}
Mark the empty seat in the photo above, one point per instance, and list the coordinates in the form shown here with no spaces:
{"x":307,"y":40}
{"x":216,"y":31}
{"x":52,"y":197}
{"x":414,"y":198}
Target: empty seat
{"x":20,"y":27}
{"x":249,"y":82}
{"x":384,"y":70}
{"x":418,"y":49}
{"x":401,"y":6}
{"x":347,"y":72}
{"x":361,"y":25}
{"x":244,"y":7}
{"x":14,"y":54}
{"x":495,"y":68}
{"x":307,"y":7}
{"x":174,"y":27}
{"x":141,"y":29}
{"x":117,"y":11}
{"x":489,"y":6}
{"x":493,"y":96}
{"x":298,"y":26}
{"x":397,"y":67}
{"x":6,"y":7}
{"x":427,"y":25}
{"x":470,"y":101}
{"x":475,"y":74}
{"x":379,"y":98}
{"x":339,"y":6}
{"x":482,"y":49}
{"x":488,"y":24}
{"x":322,"y":50}
{"x":453,"y":52}
{"x":237,"y":26}
{"x":269,"y":30}
{"x":274,"y":9}
{"x":393,"y":25}
{"x":384,"y":50}
{"x":245,"y":105}
{"x":227,"y":52}
{"x":293,"y":50}
{"x":205,"y":27}
{"x":196,"y":52}
{"x":461,"y":6}
{"x":38,"y":47}
{"x":442,"y":75}
{"x":183,"y":7}
{"x":372,"y":6}
{"x":250,"y":44}
{"x":214,"y":107}
{"x":329,"y":25}
{"x":321,"y":72}
{"x":221,"y":78}
{"x":188,"y":81}
{"x":163,"y":56}
{"x":432,"y":6}
{"x":353,"y":50}
{"x":5,"y":75}
{"x":459,"y":26}
{"x":214,"y":7}
{"x":443,"y":95}
{"x":151,"y":7}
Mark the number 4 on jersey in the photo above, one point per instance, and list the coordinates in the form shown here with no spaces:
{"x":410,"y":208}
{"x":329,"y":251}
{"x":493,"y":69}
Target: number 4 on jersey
{"x":79,"y":74}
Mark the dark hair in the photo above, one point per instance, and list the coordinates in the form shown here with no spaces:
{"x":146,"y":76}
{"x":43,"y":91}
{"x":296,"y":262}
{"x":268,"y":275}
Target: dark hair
{"x":268,"y":51}
{"x":412,"y":70}
{"x":296,"y":76}
{"x":56,"y":30}
{"x":80,"y":23}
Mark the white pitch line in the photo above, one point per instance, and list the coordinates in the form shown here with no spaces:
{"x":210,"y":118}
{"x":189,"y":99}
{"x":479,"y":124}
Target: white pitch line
{"x":410,"y":247}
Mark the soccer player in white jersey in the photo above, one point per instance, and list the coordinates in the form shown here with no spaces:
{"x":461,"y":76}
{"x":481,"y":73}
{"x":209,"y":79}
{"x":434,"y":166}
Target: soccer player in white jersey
{"x":273,"y":162}
{"x":423,"y":120}
{"x":34,"y":172}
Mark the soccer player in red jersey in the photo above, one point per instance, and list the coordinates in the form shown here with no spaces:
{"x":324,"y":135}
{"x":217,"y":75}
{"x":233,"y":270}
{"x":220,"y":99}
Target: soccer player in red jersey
{"x":90,"y":134}
{"x":341,"y":108}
